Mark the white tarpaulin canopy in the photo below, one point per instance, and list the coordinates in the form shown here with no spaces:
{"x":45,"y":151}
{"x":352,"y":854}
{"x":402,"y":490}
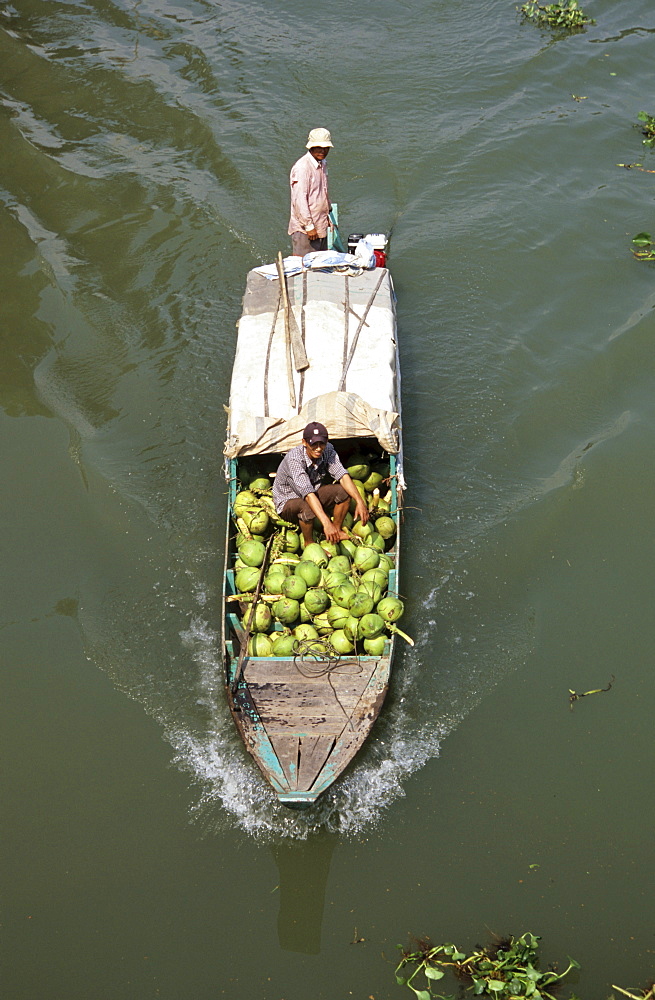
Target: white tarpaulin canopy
{"x":341,"y":331}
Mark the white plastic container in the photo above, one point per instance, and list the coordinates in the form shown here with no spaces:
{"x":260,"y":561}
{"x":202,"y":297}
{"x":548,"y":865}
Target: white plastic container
{"x":377,"y":240}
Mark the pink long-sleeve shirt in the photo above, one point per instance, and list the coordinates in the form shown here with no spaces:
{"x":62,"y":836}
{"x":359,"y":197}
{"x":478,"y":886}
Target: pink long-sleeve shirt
{"x":310,"y":202}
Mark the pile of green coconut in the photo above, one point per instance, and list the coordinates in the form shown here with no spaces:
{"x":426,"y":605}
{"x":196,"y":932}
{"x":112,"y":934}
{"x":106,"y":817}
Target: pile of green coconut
{"x":324,"y":599}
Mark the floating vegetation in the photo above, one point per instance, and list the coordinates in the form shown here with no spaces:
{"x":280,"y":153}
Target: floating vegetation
{"x":566,"y":15}
{"x":647,"y":129}
{"x":575,"y":695}
{"x":506,"y":970}
{"x":646,"y":994}
{"x":645,"y":247}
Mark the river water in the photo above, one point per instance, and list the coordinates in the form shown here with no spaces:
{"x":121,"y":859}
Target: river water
{"x":145,"y":154}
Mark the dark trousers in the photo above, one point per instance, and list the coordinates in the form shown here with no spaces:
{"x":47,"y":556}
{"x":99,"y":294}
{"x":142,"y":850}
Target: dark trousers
{"x":299,"y":510}
{"x":300,"y":245}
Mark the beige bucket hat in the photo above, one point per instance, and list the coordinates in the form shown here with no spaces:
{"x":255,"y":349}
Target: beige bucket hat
{"x":319,"y":137}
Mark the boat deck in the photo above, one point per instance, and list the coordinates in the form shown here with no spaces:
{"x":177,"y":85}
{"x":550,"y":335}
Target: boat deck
{"x":316,"y":714}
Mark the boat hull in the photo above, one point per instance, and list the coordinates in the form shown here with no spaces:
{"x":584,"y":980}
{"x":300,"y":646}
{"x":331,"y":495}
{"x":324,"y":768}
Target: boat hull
{"x":304,"y":720}
{"x":304,"y":717}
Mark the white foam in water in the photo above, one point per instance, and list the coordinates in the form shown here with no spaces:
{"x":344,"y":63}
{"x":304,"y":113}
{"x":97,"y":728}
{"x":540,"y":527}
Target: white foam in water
{"x":231,"y":781}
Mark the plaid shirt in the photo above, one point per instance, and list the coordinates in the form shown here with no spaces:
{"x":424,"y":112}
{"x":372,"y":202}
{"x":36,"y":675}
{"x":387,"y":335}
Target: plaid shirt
{"x":297,"y":475}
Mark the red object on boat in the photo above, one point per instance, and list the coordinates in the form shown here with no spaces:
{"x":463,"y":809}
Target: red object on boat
{"x":380,"y":258}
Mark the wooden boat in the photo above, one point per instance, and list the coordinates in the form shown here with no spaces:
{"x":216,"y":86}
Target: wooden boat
{"x":315,"y":346}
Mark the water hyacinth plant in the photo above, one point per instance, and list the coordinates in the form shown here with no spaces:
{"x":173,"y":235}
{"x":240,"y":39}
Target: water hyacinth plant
{"x":566,"y":14}
{"x":647,"y":128}
{"x":643,"y":246}
{"x":506,"y":970}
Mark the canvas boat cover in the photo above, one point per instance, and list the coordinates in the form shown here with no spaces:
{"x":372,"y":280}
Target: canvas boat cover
{"x":341,"y":334}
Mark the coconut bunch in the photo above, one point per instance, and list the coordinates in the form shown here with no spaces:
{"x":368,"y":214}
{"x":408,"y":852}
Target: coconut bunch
{"x":324,"y":599}
{"x":370,"y":475}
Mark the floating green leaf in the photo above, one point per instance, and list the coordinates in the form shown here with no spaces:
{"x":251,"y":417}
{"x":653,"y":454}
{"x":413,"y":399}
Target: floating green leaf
{"x":566,"y":14}
{"x":508,"y":970}
{"x":649,"y":128}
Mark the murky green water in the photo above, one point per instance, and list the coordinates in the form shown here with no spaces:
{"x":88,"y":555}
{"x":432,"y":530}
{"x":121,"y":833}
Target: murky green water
{"x":145,"y":152}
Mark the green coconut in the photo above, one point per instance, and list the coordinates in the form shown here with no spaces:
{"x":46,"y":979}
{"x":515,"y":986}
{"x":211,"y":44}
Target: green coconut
{"x":347,"y":548}
{"x":315,"y":553}
{"x":309,"y":571}
{"x":340,"y":642}
{"x":362,"y":492}
{"x":362,"y":530}
{"x":284,"y":644}
{"x":385,"y":526}
{"x":379,"y":575}
{"x":351,"y":628}
{"x":371,"y":626}
{"x":260,"y":645}
{"x":378,"y":504}
{"x":238,"y":564}
{"x":337,"y":616}
{"x":316,"y":600}
{"x":252,"y":553}
{"x":273,"y":581}
{"x":290,"y":559}
{"x":262,"y":483}
{"x":375,"y":647}
{"x":322,"y":623}
{"x":246,"y":580}
{"x":305,"y":614}
{"x":291,"y":540}
{"x":333,"y":579}
{"x":257,"y":521}
{"x":366,"y":558}
{"x":240,"y":539}
{"x":371,"y":589}
{"x":339,"y":564}
{"x":258,"y":618}
{"x":390,"y":608}
{"x":242,"y":501}
{"x":358,"y":467}
{"x":295,"y":587}
{"x":376,"y":541}
{"x":343,"y":593}
{"x":286,"y":610}
{"x":305,"y":631}
{"x":360,"y":605}
{"x":386,"y":562}
{"x":371,"y":482}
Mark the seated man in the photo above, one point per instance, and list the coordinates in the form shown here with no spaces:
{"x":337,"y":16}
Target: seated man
{"x":298,"y":492}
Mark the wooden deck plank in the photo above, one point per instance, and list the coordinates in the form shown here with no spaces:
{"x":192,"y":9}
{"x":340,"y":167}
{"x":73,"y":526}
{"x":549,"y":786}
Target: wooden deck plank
{"x":286,"y":750}
{"x":352,"y":738}
{"x":304,"y":700}
{"x":293,"y":705}
{"x":314,"y":751}
{"x":279,"y":717}
{"x":260,"y":671}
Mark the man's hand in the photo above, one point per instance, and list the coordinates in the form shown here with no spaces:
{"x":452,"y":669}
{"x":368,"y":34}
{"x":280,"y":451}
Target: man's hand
{"x":361,"y":510}
{"x":332,"y":533}
{"x":312,"y":234}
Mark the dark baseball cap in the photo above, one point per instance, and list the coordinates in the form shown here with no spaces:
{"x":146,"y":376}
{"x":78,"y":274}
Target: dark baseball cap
{"x":315,"y":434}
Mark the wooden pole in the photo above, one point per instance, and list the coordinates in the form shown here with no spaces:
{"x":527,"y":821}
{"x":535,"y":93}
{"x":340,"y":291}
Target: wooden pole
{"x":287,"y":330}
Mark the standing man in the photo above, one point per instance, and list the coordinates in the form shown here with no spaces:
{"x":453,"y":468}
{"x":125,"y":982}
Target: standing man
{"x":298,"y":494}
{"x":310,"y":202}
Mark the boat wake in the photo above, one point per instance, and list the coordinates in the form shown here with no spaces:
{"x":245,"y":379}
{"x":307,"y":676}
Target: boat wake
{"x":422,"y":708}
